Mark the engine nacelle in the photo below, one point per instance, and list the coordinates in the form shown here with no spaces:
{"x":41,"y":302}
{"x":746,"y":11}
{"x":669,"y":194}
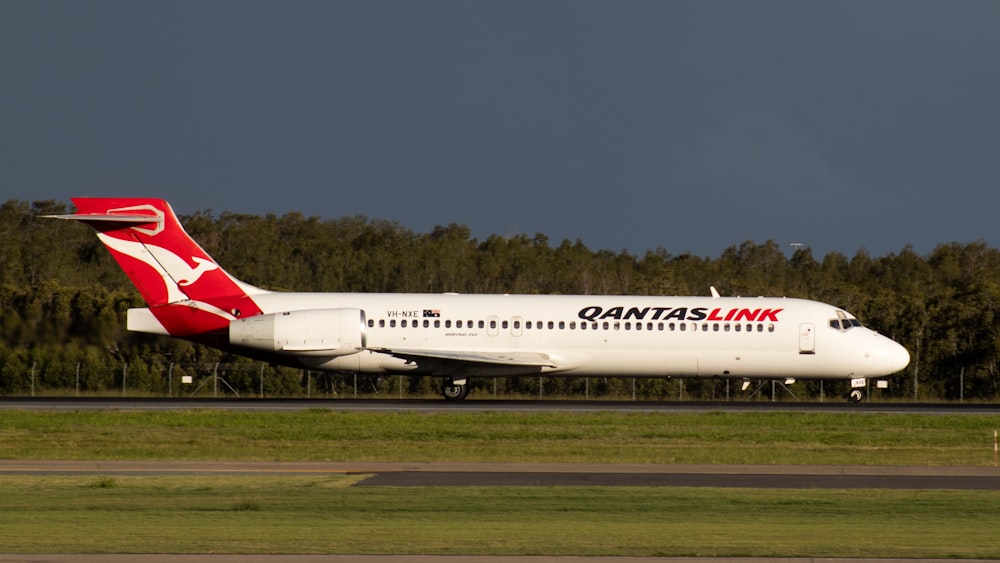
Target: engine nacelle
{"x":316,"y":332}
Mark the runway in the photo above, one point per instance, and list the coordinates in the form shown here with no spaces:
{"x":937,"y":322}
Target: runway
{"x":475,"y":405}
{"x":553,"y":475}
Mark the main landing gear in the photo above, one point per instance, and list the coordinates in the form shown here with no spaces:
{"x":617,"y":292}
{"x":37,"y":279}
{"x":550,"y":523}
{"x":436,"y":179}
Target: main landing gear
{"x":455,"y":389}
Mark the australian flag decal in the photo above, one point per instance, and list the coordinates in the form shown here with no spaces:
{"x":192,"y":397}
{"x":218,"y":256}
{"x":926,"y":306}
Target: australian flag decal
{"x":432,"y":312}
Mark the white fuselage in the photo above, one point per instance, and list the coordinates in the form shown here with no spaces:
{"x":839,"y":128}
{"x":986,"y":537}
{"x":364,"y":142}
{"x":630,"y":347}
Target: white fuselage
{"x":605,"y":335}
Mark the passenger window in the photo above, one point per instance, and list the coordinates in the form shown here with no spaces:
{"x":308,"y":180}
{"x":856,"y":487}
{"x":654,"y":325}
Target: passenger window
{"x":402,"y":323}
{"x":483,"y":324}
{"x":562,"y":325}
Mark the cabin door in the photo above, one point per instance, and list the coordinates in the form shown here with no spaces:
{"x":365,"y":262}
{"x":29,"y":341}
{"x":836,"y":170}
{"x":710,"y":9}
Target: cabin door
{"x":807,"y":338}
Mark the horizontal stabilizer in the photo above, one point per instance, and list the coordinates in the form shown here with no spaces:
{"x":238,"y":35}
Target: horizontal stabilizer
{"x":111,"y":217}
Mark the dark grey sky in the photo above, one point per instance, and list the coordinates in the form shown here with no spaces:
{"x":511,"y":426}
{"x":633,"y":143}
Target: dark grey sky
{"x":631,"y":125}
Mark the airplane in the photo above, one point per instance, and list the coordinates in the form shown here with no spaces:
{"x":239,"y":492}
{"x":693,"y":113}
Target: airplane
{"x":458,"y":337}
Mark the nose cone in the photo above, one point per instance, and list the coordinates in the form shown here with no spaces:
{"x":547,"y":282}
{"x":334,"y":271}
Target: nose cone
{"x":887,"y":357}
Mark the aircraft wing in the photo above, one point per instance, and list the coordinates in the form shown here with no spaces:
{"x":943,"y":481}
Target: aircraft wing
{"x":527,"y":359}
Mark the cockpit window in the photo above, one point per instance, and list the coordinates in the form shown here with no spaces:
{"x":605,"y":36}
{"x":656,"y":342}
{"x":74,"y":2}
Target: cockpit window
{"x":843,"y":322}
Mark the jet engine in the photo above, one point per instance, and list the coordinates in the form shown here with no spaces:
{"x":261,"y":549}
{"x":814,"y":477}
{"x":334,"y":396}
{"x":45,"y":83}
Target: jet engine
{"x":314,"y":332}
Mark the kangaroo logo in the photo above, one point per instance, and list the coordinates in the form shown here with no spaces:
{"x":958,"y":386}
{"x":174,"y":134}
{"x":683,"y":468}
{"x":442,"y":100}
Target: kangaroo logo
{"x":174,"y":270}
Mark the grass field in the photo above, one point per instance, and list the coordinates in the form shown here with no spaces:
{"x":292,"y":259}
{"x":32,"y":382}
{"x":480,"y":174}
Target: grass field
{"x":608,"y":437}
{"x":323,"y":514}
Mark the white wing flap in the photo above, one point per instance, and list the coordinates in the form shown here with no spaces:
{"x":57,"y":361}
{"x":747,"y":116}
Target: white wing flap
{"x":531,"y":359}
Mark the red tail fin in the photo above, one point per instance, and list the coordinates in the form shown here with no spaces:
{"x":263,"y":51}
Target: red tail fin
{"x":166,"y":265}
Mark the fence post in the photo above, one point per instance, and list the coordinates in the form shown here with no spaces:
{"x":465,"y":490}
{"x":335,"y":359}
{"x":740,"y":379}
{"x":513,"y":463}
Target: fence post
{"x":961,"y":385}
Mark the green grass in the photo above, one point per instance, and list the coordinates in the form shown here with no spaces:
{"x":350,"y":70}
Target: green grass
{"x":321,"y":514}
{"x":326,"y":435}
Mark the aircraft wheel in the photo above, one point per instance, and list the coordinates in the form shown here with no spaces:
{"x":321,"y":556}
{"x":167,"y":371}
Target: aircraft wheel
{"x":855,"y":396}
{"x":454,"y":391}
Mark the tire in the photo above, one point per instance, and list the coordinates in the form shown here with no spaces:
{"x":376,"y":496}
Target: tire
{"x":454,"y":392}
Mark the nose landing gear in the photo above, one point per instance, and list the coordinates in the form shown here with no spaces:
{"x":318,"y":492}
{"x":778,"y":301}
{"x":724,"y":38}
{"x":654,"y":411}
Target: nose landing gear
{"x":857,"y":394}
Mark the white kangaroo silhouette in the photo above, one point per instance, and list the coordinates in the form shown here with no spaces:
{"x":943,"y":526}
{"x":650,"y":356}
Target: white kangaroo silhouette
{"x":174,"y":270}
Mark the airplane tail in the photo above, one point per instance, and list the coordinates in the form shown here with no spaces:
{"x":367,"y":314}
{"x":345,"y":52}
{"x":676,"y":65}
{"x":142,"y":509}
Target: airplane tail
{"x":186,"y":290}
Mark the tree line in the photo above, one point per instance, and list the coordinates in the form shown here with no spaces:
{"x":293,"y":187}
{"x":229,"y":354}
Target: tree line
{"x":63,"y":299}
